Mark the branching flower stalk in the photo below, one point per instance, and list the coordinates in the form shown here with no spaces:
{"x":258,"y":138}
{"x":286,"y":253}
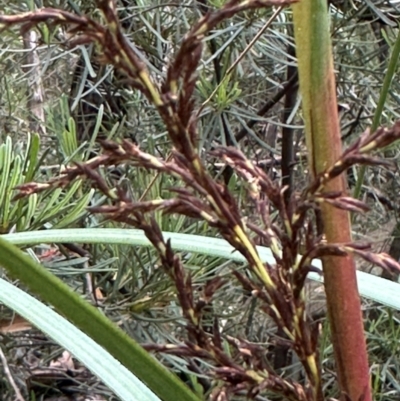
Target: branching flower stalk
{"x":289,"y":281}
{"x":279,"y":287}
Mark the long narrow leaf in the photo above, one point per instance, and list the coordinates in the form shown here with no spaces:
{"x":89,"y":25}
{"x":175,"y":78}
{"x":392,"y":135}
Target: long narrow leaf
{"x":375,"y":288}
{"x":92,"y":322}
{"x":390,"y":73}
{"x":124,"y":384}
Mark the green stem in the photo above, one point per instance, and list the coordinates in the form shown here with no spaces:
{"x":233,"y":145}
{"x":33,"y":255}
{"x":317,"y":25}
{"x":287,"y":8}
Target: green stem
{"x":381,"y":104}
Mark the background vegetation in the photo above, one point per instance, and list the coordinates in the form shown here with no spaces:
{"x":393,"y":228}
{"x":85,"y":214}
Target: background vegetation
{"x":56,"y":102}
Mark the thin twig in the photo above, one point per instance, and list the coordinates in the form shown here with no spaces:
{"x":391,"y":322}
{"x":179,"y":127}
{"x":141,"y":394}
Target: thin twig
{"x":8,"y":374}
{"x":292,"y":82}
{"x":241,"y":55}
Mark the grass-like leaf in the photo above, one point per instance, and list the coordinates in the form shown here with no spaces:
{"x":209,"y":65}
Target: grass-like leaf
{"x":124,"y":384}
{"x":92,"y":322}
{"x":386,"y":86}
{"x":371,"y":287}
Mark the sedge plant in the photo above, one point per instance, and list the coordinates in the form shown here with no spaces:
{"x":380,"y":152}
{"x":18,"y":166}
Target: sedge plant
{"x":311,"y":224}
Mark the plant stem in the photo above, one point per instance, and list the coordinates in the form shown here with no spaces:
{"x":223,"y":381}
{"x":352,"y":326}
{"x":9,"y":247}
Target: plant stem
{"x":381,"y":104}
{"x":317,"y":86}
